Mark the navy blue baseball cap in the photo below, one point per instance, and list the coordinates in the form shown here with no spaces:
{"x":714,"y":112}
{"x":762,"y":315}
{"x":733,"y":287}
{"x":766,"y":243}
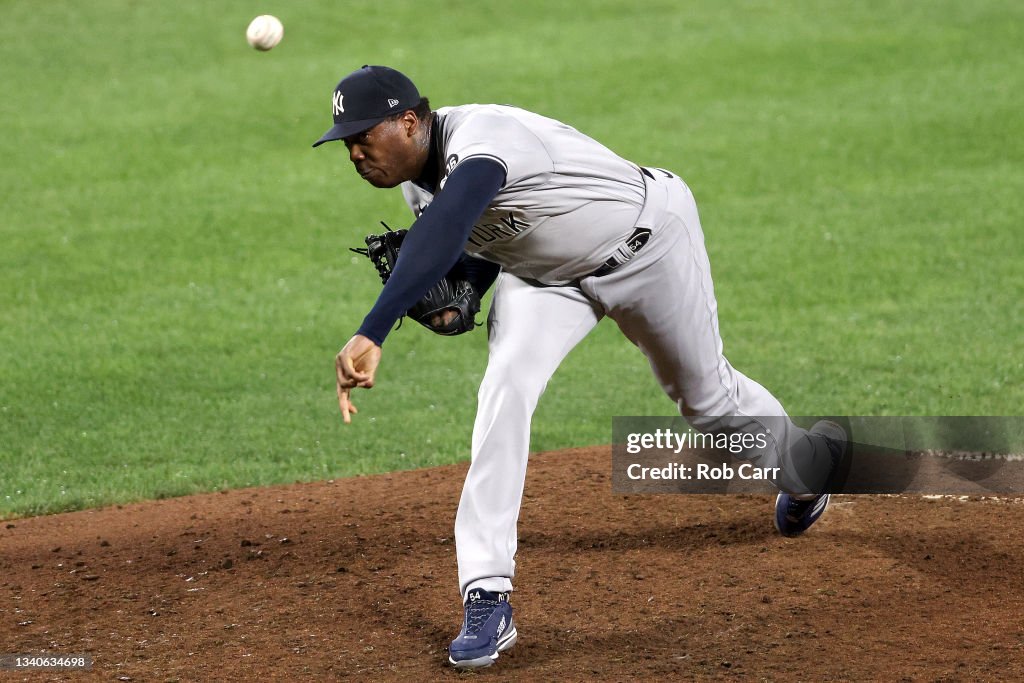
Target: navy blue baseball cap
{"x":366,"y":97}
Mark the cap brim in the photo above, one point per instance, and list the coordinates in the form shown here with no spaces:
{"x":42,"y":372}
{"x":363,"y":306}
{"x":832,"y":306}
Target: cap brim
{"x":343,"y":130}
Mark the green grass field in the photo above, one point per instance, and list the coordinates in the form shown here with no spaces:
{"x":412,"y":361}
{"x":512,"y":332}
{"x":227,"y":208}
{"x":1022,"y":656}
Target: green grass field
{"x":174,"y":269}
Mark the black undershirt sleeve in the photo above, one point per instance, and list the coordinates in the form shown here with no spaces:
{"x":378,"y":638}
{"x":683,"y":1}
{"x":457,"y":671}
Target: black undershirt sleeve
{"x":435,"y":242}
{"x":480,"y":272}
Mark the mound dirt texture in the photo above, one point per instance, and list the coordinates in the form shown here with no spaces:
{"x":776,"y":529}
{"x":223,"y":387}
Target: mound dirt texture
{"x":356,"y":578}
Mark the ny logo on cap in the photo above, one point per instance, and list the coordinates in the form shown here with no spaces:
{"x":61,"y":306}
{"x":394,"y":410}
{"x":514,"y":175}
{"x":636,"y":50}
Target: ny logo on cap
{"x":338,"y":107}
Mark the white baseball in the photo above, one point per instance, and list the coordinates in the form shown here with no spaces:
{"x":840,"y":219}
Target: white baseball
{"x":264,"y":32}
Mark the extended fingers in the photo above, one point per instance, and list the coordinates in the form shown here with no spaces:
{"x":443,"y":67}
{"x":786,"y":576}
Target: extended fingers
{"x":345,"y":404}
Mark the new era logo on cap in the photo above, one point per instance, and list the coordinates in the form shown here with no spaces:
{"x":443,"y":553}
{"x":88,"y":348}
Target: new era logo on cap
{"x":366,"y":97}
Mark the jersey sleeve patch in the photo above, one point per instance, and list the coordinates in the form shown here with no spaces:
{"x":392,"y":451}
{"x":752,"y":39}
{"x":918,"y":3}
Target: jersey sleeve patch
{"x":454,"y":161}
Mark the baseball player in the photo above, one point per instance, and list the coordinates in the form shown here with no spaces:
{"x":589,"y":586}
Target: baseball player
{"x":571,"y":233}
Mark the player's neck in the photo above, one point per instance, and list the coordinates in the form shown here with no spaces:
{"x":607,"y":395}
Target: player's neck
{"x":431,"y":171}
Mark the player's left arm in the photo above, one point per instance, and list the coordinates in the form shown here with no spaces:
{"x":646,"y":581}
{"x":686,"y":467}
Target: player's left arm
{"x":430,"y":249}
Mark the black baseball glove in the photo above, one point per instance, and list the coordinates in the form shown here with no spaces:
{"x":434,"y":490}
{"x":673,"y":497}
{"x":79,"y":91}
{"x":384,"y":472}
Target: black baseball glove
{"x":452,"y":293}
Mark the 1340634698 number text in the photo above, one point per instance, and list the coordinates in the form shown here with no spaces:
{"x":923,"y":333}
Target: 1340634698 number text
{"x":24,"y":662}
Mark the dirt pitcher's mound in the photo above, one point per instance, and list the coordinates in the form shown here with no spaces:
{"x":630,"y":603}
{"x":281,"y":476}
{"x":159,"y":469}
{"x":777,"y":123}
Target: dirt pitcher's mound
{"x":357,"y":578}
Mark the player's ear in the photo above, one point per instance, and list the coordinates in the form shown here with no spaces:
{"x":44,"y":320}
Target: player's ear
{"x":411,"y":122}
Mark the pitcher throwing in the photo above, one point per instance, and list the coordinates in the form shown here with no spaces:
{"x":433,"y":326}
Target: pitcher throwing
{"x":571,"y":232}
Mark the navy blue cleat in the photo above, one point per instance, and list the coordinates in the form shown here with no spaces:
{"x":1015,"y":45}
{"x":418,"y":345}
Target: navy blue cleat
{"x":795,"y":514}
{"x":487,"y":629}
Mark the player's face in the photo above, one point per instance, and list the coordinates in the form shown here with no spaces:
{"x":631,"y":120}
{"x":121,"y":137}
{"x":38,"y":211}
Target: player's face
{"x":388,"y":153}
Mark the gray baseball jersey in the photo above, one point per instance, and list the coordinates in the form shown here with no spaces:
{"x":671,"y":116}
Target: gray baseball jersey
{"x":568,"y":201}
